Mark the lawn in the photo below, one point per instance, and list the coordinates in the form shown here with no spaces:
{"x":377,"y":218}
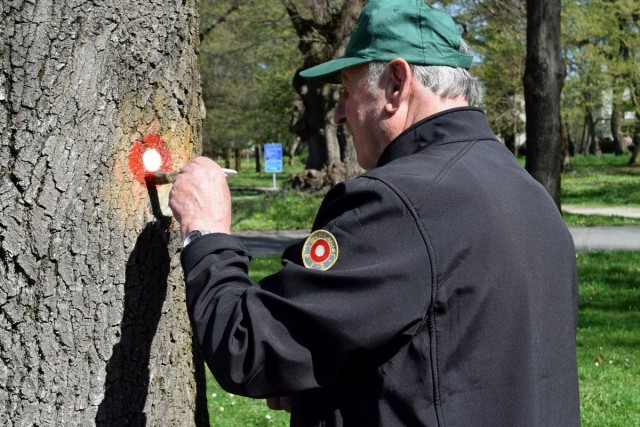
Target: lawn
{"x":603,"y":180}
{"x":608,"y":347}
{"x":609,"y":338}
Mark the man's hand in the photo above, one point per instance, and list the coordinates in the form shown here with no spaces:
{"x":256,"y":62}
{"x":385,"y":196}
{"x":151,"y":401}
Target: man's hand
{"x":200,"y":198}
{"x":279,"y":403}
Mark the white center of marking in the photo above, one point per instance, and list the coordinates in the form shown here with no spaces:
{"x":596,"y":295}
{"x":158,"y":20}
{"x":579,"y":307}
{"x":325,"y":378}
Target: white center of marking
{"x":320,"y":251}
{"x":152,"y":160}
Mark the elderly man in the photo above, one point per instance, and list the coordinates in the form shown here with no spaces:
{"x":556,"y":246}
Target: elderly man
{"x":437,"y":289}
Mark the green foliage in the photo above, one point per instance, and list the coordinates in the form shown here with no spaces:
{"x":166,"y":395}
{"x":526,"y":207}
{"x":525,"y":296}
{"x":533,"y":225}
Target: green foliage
{"x":248,"y":59}
{"x":496,"y":30}
{"x":609,"y":338}
{"x":601,"y":46}
{"x":600,"y":40}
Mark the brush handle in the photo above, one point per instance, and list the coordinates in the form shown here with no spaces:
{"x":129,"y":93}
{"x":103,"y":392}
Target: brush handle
{"x":160,"y":178}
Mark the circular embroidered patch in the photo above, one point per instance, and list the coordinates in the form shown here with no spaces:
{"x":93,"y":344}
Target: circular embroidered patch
{"x":320,"y":250}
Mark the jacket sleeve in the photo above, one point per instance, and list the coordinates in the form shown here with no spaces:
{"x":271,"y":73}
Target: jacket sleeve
{"x":303,"y":328}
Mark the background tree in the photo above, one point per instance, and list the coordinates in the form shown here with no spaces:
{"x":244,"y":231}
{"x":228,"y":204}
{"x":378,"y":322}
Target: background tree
{"x":629,"y":18}
{"x":600,"y":39}
{"x":323,"y":28}
{"x":496,"y":30}
{"x":588,"y":81}
{"x":248,"y":58}
{"x":93,"y":328}
{"x":544,"y":74}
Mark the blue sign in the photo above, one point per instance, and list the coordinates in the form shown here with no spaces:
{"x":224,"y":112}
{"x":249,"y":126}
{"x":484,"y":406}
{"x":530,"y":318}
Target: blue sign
{"x":273,"y":157}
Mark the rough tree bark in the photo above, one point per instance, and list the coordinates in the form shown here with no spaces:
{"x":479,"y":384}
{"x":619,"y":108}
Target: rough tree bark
{"x":323,"y":31}
{"x":543,"y":78}
{"x":93,"y":329}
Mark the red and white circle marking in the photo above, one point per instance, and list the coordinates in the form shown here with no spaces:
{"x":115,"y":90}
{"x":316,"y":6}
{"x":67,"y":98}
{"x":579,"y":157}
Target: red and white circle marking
{"x":320,"y":250}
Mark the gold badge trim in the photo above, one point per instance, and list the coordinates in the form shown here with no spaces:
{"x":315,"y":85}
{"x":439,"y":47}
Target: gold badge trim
{"x":320,"y":250}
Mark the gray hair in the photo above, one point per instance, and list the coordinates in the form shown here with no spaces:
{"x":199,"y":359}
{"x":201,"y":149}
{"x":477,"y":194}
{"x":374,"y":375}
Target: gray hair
{"x":445,"y":81}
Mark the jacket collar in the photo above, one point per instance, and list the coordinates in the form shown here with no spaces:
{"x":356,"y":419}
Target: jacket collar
{"x":454,"y":125}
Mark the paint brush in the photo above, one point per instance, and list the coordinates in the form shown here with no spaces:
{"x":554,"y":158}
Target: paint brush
{"x":160,"y":178}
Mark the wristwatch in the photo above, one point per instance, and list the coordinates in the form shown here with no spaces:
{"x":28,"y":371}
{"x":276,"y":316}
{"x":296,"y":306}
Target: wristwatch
{"x":193,"y":236}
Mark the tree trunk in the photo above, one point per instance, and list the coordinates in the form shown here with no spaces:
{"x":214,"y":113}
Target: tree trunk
{"x":594,"y":148}
{"x":228,"y":155}
{"x":634,"y":85}
{"x":237,"y":157}
{"x":544,"y":73}
{"x":616,"y":130}
{"x":566,"y":149}
{"x":589,"y":141}
{"x":93,"y":323}
{"x":635,"y":156}
{"x":292,"y":150}
{"x":616,"y":121}
{"x":323,"y":31}
{"x":258,"y":153}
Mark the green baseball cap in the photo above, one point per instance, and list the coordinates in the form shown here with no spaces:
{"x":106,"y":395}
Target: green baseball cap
{"x":389,"y":29}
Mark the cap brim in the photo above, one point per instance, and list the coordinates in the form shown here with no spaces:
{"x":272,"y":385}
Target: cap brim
{"x":329,"y":72}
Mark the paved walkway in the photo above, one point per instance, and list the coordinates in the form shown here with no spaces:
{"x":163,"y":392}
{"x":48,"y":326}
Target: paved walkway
{"x":629,"y":212}
{"x":585,"y":239}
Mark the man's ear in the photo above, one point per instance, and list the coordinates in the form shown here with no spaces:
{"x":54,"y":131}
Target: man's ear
{"x":397,"y":83}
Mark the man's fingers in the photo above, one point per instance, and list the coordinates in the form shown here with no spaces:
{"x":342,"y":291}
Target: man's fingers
{"x":274,"y":403}
{"x":285,"y":403}
{"x":279,"y":403}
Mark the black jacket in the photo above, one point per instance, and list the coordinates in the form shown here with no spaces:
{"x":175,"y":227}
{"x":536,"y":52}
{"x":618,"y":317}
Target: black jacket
{"x":452,"y":300}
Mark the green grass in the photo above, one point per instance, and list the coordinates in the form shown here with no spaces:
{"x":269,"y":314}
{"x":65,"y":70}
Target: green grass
{"x":601,"y":181}
{"x":284,"y":210}
{"x":575,"y":220}
{"x":609,"y":338}
{"x":228,"y":410}
{"x":608,"y":347}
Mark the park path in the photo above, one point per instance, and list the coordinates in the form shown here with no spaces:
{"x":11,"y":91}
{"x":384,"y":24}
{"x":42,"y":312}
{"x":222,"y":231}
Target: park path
{"x":629,"y":212}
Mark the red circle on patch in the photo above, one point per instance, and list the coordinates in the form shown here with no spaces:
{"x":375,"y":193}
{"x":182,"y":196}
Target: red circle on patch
{"x":152,"y":141}
{"x":320,"y":251}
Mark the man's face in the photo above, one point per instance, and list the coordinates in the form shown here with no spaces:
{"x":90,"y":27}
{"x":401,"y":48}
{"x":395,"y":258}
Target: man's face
{"x":361,"y":110}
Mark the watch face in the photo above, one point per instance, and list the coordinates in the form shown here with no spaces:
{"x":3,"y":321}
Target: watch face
{"x":193,"y":236}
